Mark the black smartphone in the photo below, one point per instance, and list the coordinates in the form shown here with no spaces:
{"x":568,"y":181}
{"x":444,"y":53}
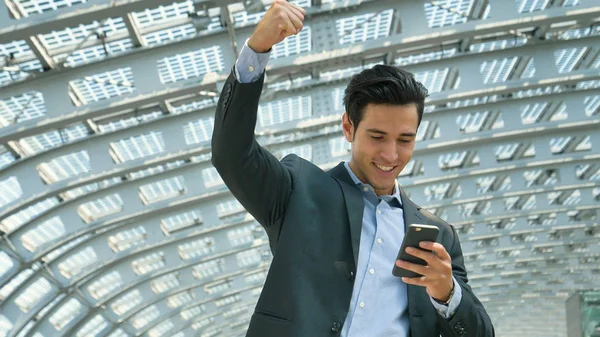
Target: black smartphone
{"x":414,"y":234}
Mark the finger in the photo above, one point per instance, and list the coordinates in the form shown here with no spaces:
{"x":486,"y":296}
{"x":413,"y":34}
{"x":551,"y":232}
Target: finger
{"x":426,"y":256}
{"x":298,"y":8}
{"x":438,"y":248}
{"x":418,"y":281}
{"x":419,"y":269}
{"x":297,"y":12}
{"x":296,"y":21}
{"x":286,"y":26}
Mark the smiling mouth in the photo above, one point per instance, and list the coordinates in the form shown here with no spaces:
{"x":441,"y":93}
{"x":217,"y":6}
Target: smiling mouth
{"x":384,"y":168}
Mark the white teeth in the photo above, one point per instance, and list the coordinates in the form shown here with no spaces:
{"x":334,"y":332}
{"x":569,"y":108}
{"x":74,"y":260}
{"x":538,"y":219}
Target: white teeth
{"x":385,"y":168}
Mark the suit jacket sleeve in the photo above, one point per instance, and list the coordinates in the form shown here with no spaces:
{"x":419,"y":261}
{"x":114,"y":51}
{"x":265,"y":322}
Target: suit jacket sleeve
{"x":256,"y":178}
{"x":471,"y":318}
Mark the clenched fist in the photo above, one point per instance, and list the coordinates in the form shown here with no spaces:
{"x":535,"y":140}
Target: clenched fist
{"x":280,"y":21}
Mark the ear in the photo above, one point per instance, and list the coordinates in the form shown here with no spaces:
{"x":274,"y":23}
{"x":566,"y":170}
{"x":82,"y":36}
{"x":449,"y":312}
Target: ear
{"x":347,"y":127}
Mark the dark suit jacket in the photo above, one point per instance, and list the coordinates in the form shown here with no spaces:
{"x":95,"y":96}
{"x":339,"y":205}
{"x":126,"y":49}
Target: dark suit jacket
{"x":313,"y":220}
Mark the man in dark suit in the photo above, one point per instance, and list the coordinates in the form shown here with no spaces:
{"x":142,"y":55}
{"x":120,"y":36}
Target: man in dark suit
{"x":335,"y":235}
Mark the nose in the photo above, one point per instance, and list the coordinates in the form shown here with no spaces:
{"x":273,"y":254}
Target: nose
{"x":389,"y":152}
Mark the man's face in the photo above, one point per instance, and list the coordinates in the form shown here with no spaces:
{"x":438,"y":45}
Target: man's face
{"x":382,"y":144}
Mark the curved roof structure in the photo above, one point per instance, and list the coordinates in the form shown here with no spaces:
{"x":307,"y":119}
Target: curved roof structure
{"x":115,"y":224}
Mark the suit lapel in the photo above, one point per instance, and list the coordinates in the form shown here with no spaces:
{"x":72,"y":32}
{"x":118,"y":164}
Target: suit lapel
{"x":354,"y":205}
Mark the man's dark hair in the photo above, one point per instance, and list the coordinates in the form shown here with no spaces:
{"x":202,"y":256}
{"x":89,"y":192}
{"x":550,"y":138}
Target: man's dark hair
{"x":383,"y":84}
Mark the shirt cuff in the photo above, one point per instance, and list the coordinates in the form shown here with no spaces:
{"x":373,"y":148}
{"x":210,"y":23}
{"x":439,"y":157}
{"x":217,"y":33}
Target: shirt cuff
{"x":250,"y":65}
{"x":448,"y":310}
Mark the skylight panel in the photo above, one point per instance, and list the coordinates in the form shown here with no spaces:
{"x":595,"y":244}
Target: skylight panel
{"x":201,"y":324}
{"x":78,"y":191}
{"x":75,"y":35}
{"x":162,"y":190}
{"x":364,"y":27}
{"x":228,"y":300}
{"x":192,"y":64}
{"x":568,"y":59}
{"x":475,"y":208}
{"x":303,"y":151}
{"x":127,"y":302}
{"x":472,"y":122}
{"x":285,"y":110}
{"x":447,"y":12}
{"x":287,"y":84}
{"x":32,"y":7}
{"x":529,"y":6}
{"x":180,"y":299}
{"x":198,"y":131}
{"x":6,"y":263}
{"x":194,"y":106}
{"x":229,"y":207}
{"x":102,"y":86}
{"x":137,"y":147}
{"x":170,"y":34}
{"x":5,"y":325}
{"x":155,"y":169}
{"x":293,"y":45}
{"x":65,"y":167}
{"x":33,"y":295}
{"x":149,"y":263}
{"x":118,"y":333}
{"x":105,"y":284}
{"x":93,"y":327}
{"x":433,"y":80}
{"x":338,"y":147}
{"x":48,"y":231}
{"x":497,"y":71}
{"x":207,"y":269}
{"x":42,"y":142}
{"x":336,"y":74}
{"x":196,"y":248}
{"x":102,"y":207}
{"x":161,"y":329}
{"x":127,"y":122}
{"x":452,"y":160}
{"x":592,"y":105}
{"x":145,"y":317}
{"x":256,"y":277}
{"x":77,"y":262}
{"x":65,"y":314}
{"x":492,"y":184}
{"x":18,"y":49}
{"x":211,"y":177}
{"x":165,"y":283}
{"x":425,"y":57}
{"x":241,"y":235}
{"x":249,"y":257}
{"x":162,"y":14}
{"x":127,"y":239}
{"x":180,"y":221}
{"x":94,"y":53}
{"x":6,"y":157}
{"x":16,"y":220}
{"x":497,"y":45}
{"x":21,"y":108}
{"x":192,"y":312}
{"x":11,"y":191}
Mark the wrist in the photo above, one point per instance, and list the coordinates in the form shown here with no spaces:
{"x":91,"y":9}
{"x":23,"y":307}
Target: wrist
{"x":257,"y":47}
{"x":446,"y":300}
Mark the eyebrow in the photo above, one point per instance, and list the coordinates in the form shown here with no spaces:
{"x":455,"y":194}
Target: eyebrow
{"x":405,"y":134}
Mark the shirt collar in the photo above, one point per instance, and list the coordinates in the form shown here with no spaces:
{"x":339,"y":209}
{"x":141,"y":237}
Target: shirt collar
{"x":388,"y":198}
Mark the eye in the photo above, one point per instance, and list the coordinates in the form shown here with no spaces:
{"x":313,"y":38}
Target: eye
{"x":404,"y":140}
{"x":377,"y":137}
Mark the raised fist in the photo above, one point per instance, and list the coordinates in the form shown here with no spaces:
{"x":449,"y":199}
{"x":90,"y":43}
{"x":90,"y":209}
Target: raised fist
{"x":280,"y":21}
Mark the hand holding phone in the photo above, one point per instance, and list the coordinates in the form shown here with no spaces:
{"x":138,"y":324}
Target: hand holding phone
{"x":414,"y":234}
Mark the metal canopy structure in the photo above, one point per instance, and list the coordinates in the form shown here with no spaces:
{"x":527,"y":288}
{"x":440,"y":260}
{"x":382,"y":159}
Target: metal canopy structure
{"x":115,"y":224}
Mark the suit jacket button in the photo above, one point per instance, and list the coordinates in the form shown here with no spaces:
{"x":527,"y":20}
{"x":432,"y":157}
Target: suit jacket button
{"x":336,"y":327}
{"x":351,"y":276}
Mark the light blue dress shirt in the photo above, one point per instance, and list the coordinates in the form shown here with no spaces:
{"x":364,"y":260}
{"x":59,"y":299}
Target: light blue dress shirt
{"x":379,"y":303}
